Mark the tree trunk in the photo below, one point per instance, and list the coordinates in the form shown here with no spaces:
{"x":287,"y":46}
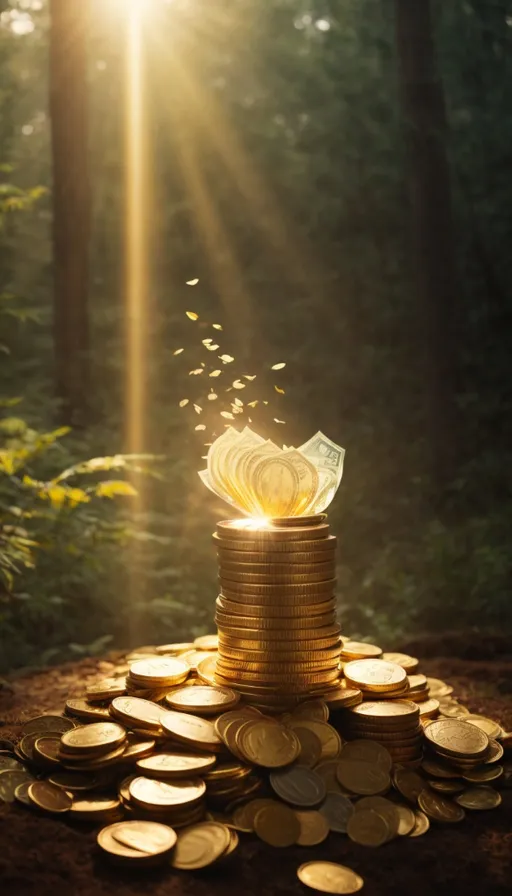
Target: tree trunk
{"x":432,"y":229}
{"x":71,"y":203}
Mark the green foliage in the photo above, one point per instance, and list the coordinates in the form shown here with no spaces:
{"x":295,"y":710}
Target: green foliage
{"x":279,"y":184}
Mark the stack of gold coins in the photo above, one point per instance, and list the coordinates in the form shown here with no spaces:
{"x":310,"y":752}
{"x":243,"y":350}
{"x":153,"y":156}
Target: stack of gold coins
{"x":152,"y":678}
{"x":377,"y":678}
{"x":460,"y":743}
{"x":177,"y":803}
{"x":92,"y":747}
{"x":279,"y":639}
{"x":393,"y":723}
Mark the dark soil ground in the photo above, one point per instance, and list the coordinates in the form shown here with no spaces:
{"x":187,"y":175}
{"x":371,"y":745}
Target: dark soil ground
{"x":49,"y":857}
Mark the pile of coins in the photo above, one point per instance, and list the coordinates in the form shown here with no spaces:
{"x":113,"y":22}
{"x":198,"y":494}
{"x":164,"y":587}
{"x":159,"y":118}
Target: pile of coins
{"x":279,"y":639}
{"x":178,"y":779}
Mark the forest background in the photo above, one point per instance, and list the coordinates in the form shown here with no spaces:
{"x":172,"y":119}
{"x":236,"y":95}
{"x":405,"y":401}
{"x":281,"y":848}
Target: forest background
{"x":345,"y":207}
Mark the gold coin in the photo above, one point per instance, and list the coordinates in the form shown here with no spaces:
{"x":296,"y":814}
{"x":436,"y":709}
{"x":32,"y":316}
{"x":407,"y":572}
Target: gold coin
{"x":276,"y":611}
{"x":446,"y":786}
{"x":325,"y":633}
{"x":314,"y":828}
{"x":438,"y":769}
{"x":274,"y":666}
{"x":139,"y":840}
{"x":48,"y":723}
{"x":278,"y":570}
{"x":479,"y":798}
{"x":337,"y":809}
{"x":368,"y":828}
{"x":150,"y":794}
{"x":310,"y":747}
{"x":206,"y":642}
{"x":314,"y":710}
{"x":327,"y":770}
{"x":409,"y":783}
{"x":489,"y":726}
{"x":367,"y":751}
{"x":82,"y":709}
{"x":483,"y":774}
{"x":276,"y":558}
{"x":374,"y":674}
{"x":439,"y":688}
{"x":168,"y":670}
{"x":452,"y":709}
{"x":283,"y":600}
{"x":438,"y":808}
{"x":175,"y":649}
{"x":232,"y":579}
{"x":21,"y":794}
{"x":277,"y":825}
{"x":268,"y":744}
{"x":362,"y":777}
{"x":96,"y":808}
{"x":137,"y":711}
{"x":343,"y":697}
{"x":421,"y":824}
{"x":200,"y":845}
{"x":94,"y":738}
{"x":244,"y":815}
{"x":273,"y":623}
{"x":429,"y":708}
{"x":392,"y":712}
{"x":49,"y":797}
{"x":282,"y":651}
{"x":241,"y":530}
{"x":407,"y":820}
{"x":93,"y":764}
{"x":358,"y":650}
{"x":175,"y":765}
{"x":251,"y":544}
{"x":328,"y":736}
{"x":46,"y":751}
{"x":329,"y":877}
{"x":310,"y":590}
{"x":203,"y":699}
{"x":457,"y":738}
{"x":409,"y":663}
{"x":190,"y":729}
{"x":106,"y":689}
{"x":298,"y":786}
{"x":383,"y":807}
{"x":495,"y":751}
{"x":10,"y":779}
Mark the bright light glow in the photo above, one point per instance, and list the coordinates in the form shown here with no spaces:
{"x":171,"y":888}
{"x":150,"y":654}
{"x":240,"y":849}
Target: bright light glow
{"x":136,"y":266}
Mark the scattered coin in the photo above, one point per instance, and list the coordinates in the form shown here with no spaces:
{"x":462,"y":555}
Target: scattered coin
{"x":277,"y":825}
{"x":438,"y":808}
{"x":200,"y":845}
{"x":298,"y":786}
{"x":367,"y":828}
{"x":9,"y":781}
{"x":49,"y":797}
{"x":479,"y":798}
{"x":421,"y":824}
{"x":336,"y":809}
{"x":142,"y":841}
{"x":328,"y":877}
{"x":314,"y":828}
{"x":175,"y":765}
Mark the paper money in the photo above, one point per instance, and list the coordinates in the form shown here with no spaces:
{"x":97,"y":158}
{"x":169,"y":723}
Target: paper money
{"x":262,"y":480}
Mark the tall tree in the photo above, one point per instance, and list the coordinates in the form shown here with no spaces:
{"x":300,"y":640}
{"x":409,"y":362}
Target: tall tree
{"x":432,"y":227}
{"x":71,"y":202}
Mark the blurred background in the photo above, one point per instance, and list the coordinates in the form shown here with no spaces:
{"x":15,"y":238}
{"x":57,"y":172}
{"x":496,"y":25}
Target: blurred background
{"x":329,"y":182}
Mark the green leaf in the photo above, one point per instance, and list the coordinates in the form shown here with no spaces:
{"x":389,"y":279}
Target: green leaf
{"x":113,"y":487}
